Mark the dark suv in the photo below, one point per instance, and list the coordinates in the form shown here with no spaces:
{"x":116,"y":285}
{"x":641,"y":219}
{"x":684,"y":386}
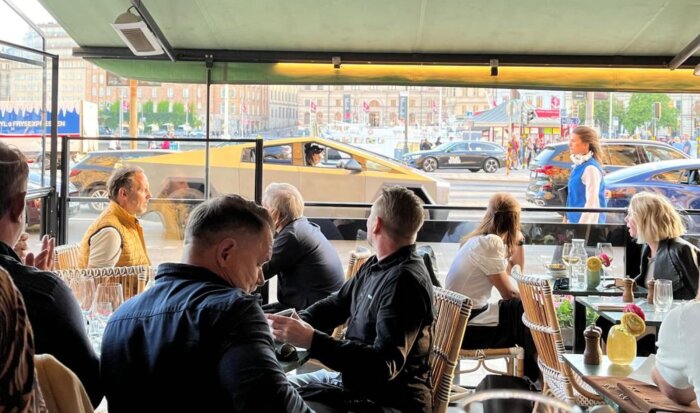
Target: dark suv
{"x":549,"y":172}
{"x":91,"y":173}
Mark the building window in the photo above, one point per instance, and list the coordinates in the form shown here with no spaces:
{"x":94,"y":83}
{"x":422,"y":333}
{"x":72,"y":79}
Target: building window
{"x":170,"y":93}
{"x":94,"y":91}
{"x":138,"y":92}
{"x":154,"y":93}
{"x":185,"y":93}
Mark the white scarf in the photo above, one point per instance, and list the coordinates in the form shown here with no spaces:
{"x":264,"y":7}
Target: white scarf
{"x":579,"y":159}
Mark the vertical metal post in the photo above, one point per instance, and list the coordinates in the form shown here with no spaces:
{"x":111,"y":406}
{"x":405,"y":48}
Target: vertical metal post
{"x":63,"y":192}
{"x":258,"y":170}
{"x":209,"y":64}
{"x":53,"y":212}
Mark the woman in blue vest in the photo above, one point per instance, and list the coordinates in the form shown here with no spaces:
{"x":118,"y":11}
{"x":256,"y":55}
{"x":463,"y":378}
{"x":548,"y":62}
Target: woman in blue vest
{"x":586,"y":186}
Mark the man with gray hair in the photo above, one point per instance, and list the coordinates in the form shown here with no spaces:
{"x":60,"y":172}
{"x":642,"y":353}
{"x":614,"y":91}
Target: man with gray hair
{"x":52,"y":309}
{"x":197,"y":340}
{"x":384,"y":357}
{"x":307,"y":266}
{"x":116,"y":236}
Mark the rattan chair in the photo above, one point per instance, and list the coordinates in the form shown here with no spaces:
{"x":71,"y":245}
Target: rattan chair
{"x":67,"y":257}
{"x":513,"y":356}
{"x":541,"y":318}
{"x":452,"y":313}
{"x":133,"y":279}
{"x":357,"y":259}
{"x":542,"y":402}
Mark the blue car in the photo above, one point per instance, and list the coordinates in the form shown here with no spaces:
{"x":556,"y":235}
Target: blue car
{"x":678,"y":180}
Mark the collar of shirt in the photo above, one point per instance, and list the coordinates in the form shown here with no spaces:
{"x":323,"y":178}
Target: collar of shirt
{"x":391,"y":260}
{"x":186,"y":271}
{"x":7,"y":250}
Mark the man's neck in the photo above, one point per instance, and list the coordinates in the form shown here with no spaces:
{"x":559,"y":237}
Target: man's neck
{"x":387,"y":248}
{"x":8,"y":233}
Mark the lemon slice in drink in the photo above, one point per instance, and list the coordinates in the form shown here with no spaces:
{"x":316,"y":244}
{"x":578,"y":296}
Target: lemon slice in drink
{"x":633,"y":323}
{"x":594,"y":264}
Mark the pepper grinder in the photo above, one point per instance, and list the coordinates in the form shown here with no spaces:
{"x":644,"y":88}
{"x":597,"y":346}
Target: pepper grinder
{"x":593,"y":354}
{"x":650,"y":291}
{"x":627,"y":295}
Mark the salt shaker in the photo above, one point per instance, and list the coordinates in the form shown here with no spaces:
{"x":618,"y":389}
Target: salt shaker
{"x":627,"y":295}
{"x":650,"y":291}
{"x":592,"y":354}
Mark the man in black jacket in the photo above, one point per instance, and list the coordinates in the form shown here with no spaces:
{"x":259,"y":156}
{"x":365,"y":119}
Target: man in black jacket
{"x":389,"y":304}
{"x":52,"y":309}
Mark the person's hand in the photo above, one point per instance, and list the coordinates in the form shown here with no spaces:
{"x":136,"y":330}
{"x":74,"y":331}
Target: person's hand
{"x":43,"y":260}
{"x":21,"y":248}
{"x":288,"y":330}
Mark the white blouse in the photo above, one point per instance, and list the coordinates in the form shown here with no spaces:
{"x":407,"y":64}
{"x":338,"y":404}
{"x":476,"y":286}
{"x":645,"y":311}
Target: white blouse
{"x":479,"y":257}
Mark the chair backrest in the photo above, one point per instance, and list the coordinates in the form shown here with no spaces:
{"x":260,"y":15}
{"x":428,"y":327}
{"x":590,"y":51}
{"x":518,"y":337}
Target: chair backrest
{"x":67,"y":257}
{"x":452,"y":312}
{"x":541,"y":318}
{"x":430,"y":260}
{"x":357,"y":258}
{"x":545,"y":403}
{"x":133,"y":279}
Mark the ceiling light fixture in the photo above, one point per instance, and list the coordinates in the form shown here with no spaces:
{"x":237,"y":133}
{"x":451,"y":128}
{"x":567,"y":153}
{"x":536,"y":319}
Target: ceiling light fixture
{"x":494,"y":67}
{"x":135,"y":33}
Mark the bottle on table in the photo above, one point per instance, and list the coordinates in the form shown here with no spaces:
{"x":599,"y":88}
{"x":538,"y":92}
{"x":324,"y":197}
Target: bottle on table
{"x":577,"y":261}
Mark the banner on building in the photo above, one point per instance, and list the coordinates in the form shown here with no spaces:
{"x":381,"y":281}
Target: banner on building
{"x":17,"y":122}
{"x":347,"y":108}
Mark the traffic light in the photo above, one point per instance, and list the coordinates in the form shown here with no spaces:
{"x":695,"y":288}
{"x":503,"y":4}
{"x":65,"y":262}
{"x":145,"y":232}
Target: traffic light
{"x":531,"y":115}
{"x":657,"y":110}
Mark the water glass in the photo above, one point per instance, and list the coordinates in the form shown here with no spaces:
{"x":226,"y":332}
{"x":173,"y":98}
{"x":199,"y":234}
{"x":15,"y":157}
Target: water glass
{"x":663,"y":295}
{"x":99,"y":315}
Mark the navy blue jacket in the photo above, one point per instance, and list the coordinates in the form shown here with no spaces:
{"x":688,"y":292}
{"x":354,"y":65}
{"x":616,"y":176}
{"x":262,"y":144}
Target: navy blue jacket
{"x":307,"y":266}
{"x":193,"y":343}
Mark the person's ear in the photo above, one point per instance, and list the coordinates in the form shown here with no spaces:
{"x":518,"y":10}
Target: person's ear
{"x":378,"y":225}
{"x":17,"y":207}
{"x":224,"y":249}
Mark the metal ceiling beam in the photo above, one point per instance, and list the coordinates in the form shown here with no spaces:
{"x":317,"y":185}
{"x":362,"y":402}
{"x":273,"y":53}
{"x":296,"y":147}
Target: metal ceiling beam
{"x":265,"y":56}
{"x":684,"y":54}
{"x":146,"y":16}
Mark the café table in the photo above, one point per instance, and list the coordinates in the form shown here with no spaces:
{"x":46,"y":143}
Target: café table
{"x":653,"y":318}
{"x":580,"y":309}
{"x":604,"y":369}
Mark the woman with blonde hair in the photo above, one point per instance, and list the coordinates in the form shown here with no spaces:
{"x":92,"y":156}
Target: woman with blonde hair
{"x":653,"y":221}
{"x":586,"y":187}
{"x":482,"y":263}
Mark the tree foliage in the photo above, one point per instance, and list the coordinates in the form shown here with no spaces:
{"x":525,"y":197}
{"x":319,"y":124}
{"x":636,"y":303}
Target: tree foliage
{"x":165,"y":115}
{"x":640,"y":111}
{"x":601,"y":112}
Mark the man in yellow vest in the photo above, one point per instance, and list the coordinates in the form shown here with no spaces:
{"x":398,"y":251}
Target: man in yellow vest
{"x":115,"y":239}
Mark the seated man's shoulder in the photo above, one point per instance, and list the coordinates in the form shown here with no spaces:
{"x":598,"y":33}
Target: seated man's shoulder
{"x":34,"y":279}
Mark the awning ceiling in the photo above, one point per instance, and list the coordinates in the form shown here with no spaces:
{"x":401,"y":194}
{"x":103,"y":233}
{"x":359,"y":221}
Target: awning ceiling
{"x":256,"y":41}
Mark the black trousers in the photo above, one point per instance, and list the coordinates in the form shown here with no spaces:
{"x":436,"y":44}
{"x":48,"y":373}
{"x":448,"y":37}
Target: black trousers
{"x":509,"y":332}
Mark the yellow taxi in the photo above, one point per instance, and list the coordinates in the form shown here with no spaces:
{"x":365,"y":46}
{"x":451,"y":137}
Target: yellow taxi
{"x":323,"y":170}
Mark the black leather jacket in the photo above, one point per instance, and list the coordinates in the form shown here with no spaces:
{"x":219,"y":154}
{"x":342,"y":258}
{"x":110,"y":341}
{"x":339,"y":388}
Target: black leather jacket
{"x":676,"y":260}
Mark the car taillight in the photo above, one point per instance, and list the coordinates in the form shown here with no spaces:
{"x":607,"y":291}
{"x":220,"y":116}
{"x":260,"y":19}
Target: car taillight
{"x":74,"y":172}
{"x":547,"y":170}
{"x":615,"y":194}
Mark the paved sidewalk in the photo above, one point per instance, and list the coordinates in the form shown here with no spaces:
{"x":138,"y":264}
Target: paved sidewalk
{"x":517,"y":175}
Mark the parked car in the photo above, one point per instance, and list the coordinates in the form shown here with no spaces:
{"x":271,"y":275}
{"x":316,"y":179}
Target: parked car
{"x":33,"y":206}
{"x":91,"y":173}
{"x":473,"y":155}
{"x":345,"y":174}
{"x":550,"y":171}
{"x":677,"y":180}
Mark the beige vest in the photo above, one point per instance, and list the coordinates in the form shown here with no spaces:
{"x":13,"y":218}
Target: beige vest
{"x":130,"y":231}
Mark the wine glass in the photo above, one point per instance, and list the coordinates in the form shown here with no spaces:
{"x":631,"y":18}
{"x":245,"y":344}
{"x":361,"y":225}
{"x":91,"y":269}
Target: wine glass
{"x":605,"y":248}
{"x":565,"y":252}
{"x":109,"y":293}
{"x":84,"y":290}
